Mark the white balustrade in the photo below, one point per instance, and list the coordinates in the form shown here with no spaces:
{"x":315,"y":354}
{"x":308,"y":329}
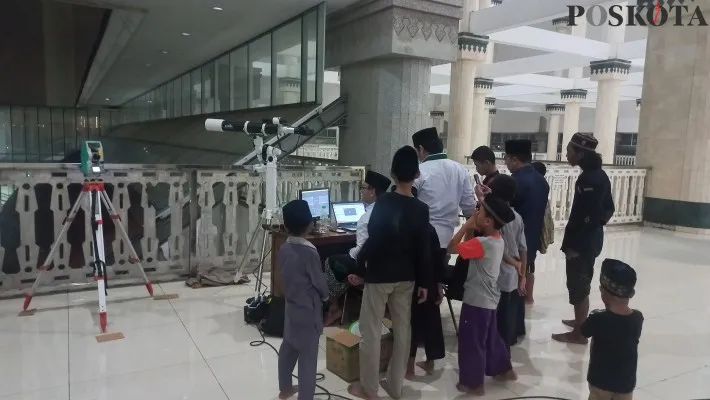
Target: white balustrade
{"x":627,"y":186}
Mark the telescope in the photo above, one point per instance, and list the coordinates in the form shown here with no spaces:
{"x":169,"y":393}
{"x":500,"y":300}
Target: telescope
{"x":272,"y":126}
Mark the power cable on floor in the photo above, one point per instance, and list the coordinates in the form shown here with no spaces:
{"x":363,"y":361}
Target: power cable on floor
{"x":319,"y":376}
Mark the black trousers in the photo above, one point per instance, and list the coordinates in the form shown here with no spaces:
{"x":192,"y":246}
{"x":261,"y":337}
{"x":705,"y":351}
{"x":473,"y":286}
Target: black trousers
{"x":426,"y":327}
{"x":580,"y":272}
{"x":426,"y":317}
{"x":518,"y":302}
{"x":506,"y":316}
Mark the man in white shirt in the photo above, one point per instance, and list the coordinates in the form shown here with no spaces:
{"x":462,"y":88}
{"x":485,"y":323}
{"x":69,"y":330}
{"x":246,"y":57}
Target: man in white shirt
{"x":444,"y":185}
{"x":339,"y":266}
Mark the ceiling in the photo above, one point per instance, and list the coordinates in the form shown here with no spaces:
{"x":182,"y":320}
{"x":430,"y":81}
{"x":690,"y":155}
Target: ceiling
{"x":134,"y":60}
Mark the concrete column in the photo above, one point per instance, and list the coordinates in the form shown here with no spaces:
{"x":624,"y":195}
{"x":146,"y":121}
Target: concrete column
{"x":290,"y":90}
{"x":615,"y":35}
{"x":437,"y":121}
{"x":560,"y":25}
{"x":472,"y":51}
{"x":673,"y":129}
{"x":491,"y":115}
{"x":608,"y":74}
{"x":572,"y":98}
{"x":385,"y":53}
{"x":553,"y":132}
{"x":479,"y":113}
{"x":638,"y":104}
{"x":485,"y":128}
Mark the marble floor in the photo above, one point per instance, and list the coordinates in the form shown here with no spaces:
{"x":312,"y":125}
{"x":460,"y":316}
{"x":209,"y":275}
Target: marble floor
{"x":197,"y":346}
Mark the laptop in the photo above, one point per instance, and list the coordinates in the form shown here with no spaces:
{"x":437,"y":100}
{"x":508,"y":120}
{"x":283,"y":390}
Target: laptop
{"x":347,"y":214}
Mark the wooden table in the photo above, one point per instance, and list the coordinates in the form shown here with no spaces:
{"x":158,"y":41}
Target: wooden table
{"x":327,"y":245}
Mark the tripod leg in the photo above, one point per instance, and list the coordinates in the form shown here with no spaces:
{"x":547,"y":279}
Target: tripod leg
{"x":50,"y":257}
{"x":252,"y":240}
{"x":132,"y":251}
{"x":99,"y":255}
{"x":260,"y":274}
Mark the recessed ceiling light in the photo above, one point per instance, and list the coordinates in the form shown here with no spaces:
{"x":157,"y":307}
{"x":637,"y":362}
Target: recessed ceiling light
{"x":218,"y":8}
{"x":164,"y":51}
{"x":148,"y":65}
{"x":150,"y":101}
{"x":107,"y":99}
{"x":185,"y":33}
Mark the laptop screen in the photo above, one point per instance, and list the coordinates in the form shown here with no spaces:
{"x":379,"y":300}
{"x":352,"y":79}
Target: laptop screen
{"x":348,"y":213}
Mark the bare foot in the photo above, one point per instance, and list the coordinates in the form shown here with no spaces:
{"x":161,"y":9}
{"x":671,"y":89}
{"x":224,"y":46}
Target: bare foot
{"x":569,"y":322}
{"x":477,"y":391}
{"x":385,"y":386}
{"x":570,"y":337}
{"x":285,"y":394}
{"x":427,"y":366}
{"x":357,"y":390}
{"x":509,"y":375}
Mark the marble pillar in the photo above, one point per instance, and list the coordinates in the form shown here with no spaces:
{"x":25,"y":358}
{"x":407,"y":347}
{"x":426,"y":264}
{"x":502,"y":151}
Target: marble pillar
{"x":608,"y":74}
{"x":472,"y":51}
{"x":638,"y":104}
{"x":553,"y":132}
{"x":289,"y":90}
{"x":384,"y":53}
{"x":437,"y":121}
{"x":673,"y":135}
{"x":491,"y":115}
{"x":485,"y":129}
{"x":479,"y":113}
{"x":572,"y":98}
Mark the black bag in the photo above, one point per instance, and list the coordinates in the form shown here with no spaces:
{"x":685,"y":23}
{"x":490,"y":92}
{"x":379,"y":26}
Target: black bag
{"x":273,"y":324}
{"x":456,"y":280}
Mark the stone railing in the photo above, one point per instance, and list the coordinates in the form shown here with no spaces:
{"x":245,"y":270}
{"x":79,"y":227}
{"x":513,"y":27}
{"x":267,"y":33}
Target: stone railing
{"x":627,"y":185}
{"x":177,"y":217}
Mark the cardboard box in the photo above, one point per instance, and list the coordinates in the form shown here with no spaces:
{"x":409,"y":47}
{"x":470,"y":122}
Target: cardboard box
{"x":343,"y":352}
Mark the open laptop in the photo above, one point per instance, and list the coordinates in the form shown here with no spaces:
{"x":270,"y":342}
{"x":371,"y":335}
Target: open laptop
{"x":347,"y":214}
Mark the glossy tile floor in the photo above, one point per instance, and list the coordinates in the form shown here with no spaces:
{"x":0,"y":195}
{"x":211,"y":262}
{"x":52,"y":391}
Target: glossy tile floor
{"x":197,"y":347}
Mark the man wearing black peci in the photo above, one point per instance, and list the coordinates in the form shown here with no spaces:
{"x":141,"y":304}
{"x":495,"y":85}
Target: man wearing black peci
{"x":592,"y":208}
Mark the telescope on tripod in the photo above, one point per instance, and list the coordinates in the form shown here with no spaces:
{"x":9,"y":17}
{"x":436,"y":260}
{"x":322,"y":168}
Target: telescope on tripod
{"x":268,"y":155}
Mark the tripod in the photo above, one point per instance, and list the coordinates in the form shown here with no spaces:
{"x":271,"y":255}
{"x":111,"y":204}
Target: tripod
{"x":94,"y":192}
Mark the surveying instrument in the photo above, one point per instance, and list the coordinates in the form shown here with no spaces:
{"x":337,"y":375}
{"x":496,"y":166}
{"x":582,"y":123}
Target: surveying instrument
{"x":267,"y":155}
{"x":94,"y":193}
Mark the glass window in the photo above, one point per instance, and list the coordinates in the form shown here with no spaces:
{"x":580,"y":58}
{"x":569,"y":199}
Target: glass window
{"x":186,"y":92}
{"x":287,"y":47}
{"x":104,"y":122}
{"x":57,"y":115}
{"x":69,"y":130}
{"x":196,"y":95}
{"x":310,"y":40}
{"x":170,"y":100}
{"x":162,"y":102}
{"x":82,"y":126}
{"x":18,"y":134}
{"x":260,"y":72}
{"x":208,"y":88}
{"x":177,"y":97}
{"x":31,"y":138}
{"x":94,"y":124}
{"x":221,"y":87}
{"x":44,"y":132}
{"x":239,"y":78}
{"x":5,"y":133}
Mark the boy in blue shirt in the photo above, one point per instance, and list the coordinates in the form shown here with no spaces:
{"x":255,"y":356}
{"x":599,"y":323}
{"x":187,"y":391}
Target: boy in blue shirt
{"x":305,"y":290}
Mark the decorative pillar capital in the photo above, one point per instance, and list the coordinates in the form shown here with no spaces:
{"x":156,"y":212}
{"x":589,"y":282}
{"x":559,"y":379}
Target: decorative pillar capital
{"x":573,"y":95}
{"x":482,"y":86}
{"x":472,"y":47}
{"x":638,"y":104}
{"x":492,"y":112}
{"x":490,"y":102}
{"x":290,"y":83}
{"x":436,"y":114}
{"x":555,"y":109}
{"x":560,"y":21}
{"x":496,"y":2}
{"x":613,"y":68}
